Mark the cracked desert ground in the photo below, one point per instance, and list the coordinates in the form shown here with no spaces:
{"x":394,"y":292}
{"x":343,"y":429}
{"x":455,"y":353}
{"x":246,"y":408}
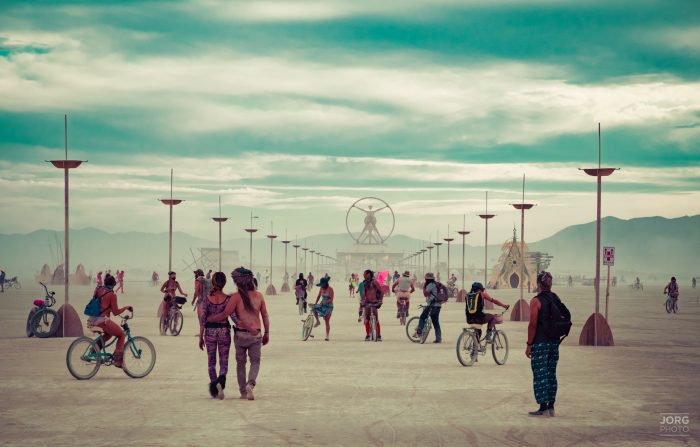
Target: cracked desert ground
{"x":348,"y":392}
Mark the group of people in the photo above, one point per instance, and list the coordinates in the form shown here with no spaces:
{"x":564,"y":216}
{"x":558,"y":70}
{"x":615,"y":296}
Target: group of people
{"x":119,"y":277}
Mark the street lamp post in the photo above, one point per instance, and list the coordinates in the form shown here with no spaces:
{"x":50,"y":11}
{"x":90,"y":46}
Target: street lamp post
{"x":521,"y":310}
{"x":270,"y":287}
{"x":463,"y":232}
{"x":430,"y":257}
{"x":296,"y":258}
{"x":437,"y":263}
{"x":219,"y":220}
{"x":170,"y":203}
{"x":422,"y":266}
{"x":285,"y":286}
{"x":596,"y":331}
{"x":250,"y":231}
{"x":486,"y":216}
{"x":305,"y":250}
{"x":70,"y":324}
{"x":313,"y":269}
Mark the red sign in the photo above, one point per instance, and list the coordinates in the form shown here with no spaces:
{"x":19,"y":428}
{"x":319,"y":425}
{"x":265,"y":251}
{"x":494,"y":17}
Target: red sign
{"x":608,"y":255}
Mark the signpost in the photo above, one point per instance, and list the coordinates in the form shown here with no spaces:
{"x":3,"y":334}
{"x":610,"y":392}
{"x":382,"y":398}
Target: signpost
{"x":609,"y":260}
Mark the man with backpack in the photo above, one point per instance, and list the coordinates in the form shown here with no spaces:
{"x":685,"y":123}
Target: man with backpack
{"x":475,"y":309}
{"x":202,"y":287}
{"x":550,"y":322}
{"x":435,"y":294}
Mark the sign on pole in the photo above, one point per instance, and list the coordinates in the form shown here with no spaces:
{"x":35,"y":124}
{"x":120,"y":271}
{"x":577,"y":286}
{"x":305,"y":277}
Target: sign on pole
{"x":609,"y":256}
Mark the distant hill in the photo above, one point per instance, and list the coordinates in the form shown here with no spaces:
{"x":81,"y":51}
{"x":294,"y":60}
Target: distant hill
{"x":644,"y":246}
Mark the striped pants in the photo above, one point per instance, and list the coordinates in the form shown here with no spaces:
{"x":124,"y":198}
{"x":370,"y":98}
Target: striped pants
{"x":543,"y":361}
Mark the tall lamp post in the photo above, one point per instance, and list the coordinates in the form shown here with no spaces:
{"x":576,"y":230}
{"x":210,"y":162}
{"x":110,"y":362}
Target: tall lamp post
{"x":296,"y":258}
{"x":422,"y":264}
{"x":270,"y":287}
{"x":486,"y":216}
{"x":437,"y":253}
{"x":597,"y":331}
{"x":70,"y":324}
{"x":449,"y":240}
{"x":219,"y":220}
{"x":250,"y":230}
{"x":463,"y":232}
{"x":430,"y":257}
{"x":170,"y":203}
{"x":521,"y":310}
{"x":305,"y":250}
{"x":285,"y":286}
{"x":313,"y":269}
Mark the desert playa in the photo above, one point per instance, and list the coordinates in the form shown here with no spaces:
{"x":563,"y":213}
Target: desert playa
{"x":348,"y":393}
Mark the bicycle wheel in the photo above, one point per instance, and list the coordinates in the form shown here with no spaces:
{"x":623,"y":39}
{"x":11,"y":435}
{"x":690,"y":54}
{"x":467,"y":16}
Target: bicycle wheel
{"x":426,"y":331}
{"x":139,"y":357}
{"x":45,"y":323}
{"x":81,"y":360}
{"x":467,"y":348}
{"x":669,"y":305}
{"x":28,"y":330}
{"x":176,"y":323}
{"x":163,"y":324}
{"x":411,"y":327}
{"x":499,"y":347}
{"x":373,"y":327}
{"x":307,"y":327}
{"x":675,"y":307}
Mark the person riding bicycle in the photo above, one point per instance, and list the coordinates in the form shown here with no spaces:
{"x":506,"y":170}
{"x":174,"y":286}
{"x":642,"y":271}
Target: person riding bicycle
{"x":301,"y":285}
{"x":169,"y":288}
{"x":432,"y":308}
{"x":371,"y":300}
{"x":672,"y":289}
{"x":403,"y":288}
{"x":475,"y":308}
{"x":108,"y":305}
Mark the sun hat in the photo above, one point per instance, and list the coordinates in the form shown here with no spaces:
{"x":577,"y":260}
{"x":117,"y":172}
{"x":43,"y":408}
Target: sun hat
{"x":324,"y":281}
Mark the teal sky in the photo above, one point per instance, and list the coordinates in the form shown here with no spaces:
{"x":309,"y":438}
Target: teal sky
{"x":297,"y":108}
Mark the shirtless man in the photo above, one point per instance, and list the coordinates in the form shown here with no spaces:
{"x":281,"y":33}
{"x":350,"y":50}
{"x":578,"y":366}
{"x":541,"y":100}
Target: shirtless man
{"x":248,"y":305}
{"x":371,"y":301}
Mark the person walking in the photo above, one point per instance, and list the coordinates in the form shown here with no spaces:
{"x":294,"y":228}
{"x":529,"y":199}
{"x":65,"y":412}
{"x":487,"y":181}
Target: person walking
{"x":325,"y":309}
{"x":2,"y":281}
{"x":215,"y":335}
{"x":120,"y":280}
{"x":432,"y":308}
{"x":249,"y":306}
{"x":543,"y":351}
{"x":99,"y":278}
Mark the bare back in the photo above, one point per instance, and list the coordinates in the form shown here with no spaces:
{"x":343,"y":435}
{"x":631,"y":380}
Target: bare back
{"x":250,"y":319}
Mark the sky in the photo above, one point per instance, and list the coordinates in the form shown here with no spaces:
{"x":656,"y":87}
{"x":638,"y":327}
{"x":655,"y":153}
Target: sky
{"x":293,"y":110}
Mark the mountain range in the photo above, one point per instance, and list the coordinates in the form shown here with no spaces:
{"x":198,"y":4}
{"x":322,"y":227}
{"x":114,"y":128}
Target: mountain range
{"x":652,"y":246}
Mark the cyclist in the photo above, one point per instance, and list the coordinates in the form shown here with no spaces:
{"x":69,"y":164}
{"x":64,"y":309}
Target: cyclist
{"x":108,"y":305}
{"x":325,"y":309}
{"x":169,"y":288}
{"x":403,"y":288}
{"x":301,"y":286}
{"x":672,"y":289}
{"x":475,"y":308}
{"x":371,"y":300}
{"x":432,"y":308}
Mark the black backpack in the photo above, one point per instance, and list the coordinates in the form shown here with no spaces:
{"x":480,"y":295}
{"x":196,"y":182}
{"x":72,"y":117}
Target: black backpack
{"x":555,"y":318}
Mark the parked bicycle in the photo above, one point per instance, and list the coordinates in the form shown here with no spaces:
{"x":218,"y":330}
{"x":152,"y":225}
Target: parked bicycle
{"x":85,"y":355}
{"x":671,"y":304}
{"x":13,"y":282}
{"x":43,"y":321}
{"x":173,"y":319}
{"x":412,"y":328}
{"x":470,"y":345}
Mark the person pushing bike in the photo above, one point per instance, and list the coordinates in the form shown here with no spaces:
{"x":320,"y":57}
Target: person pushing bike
{"x":169,"y":288}
{"x":371,"y":300}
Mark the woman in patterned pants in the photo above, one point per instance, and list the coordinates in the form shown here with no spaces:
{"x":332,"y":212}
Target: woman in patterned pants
{"x":216,"y":336}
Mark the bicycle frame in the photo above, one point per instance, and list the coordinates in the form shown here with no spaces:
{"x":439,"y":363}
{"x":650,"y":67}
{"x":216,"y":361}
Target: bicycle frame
{"x":104,"y":356}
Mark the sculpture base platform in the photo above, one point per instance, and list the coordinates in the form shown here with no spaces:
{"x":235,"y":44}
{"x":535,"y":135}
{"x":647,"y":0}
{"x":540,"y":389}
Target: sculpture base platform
{"x":461,"y":296}
{"x":521,"y":311}
{"x":71,"y":325}
{"x":270,"y":291}
{"x":605,"y":336}
{"x":285,"y":288}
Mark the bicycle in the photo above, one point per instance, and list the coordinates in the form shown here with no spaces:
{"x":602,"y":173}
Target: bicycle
{"x":307,"y":327}
{"x":412,"y":328}
{"x":85,"y":355}
{"x":470,"y":345}
{"x":43,"y":321}
{"x":173,"y":319}
{"x":13,"y":282}
{"x":671,"y":304}
{"x":373,"y":321}
{"x":301,"y":301}
{"x":403,"y":311}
